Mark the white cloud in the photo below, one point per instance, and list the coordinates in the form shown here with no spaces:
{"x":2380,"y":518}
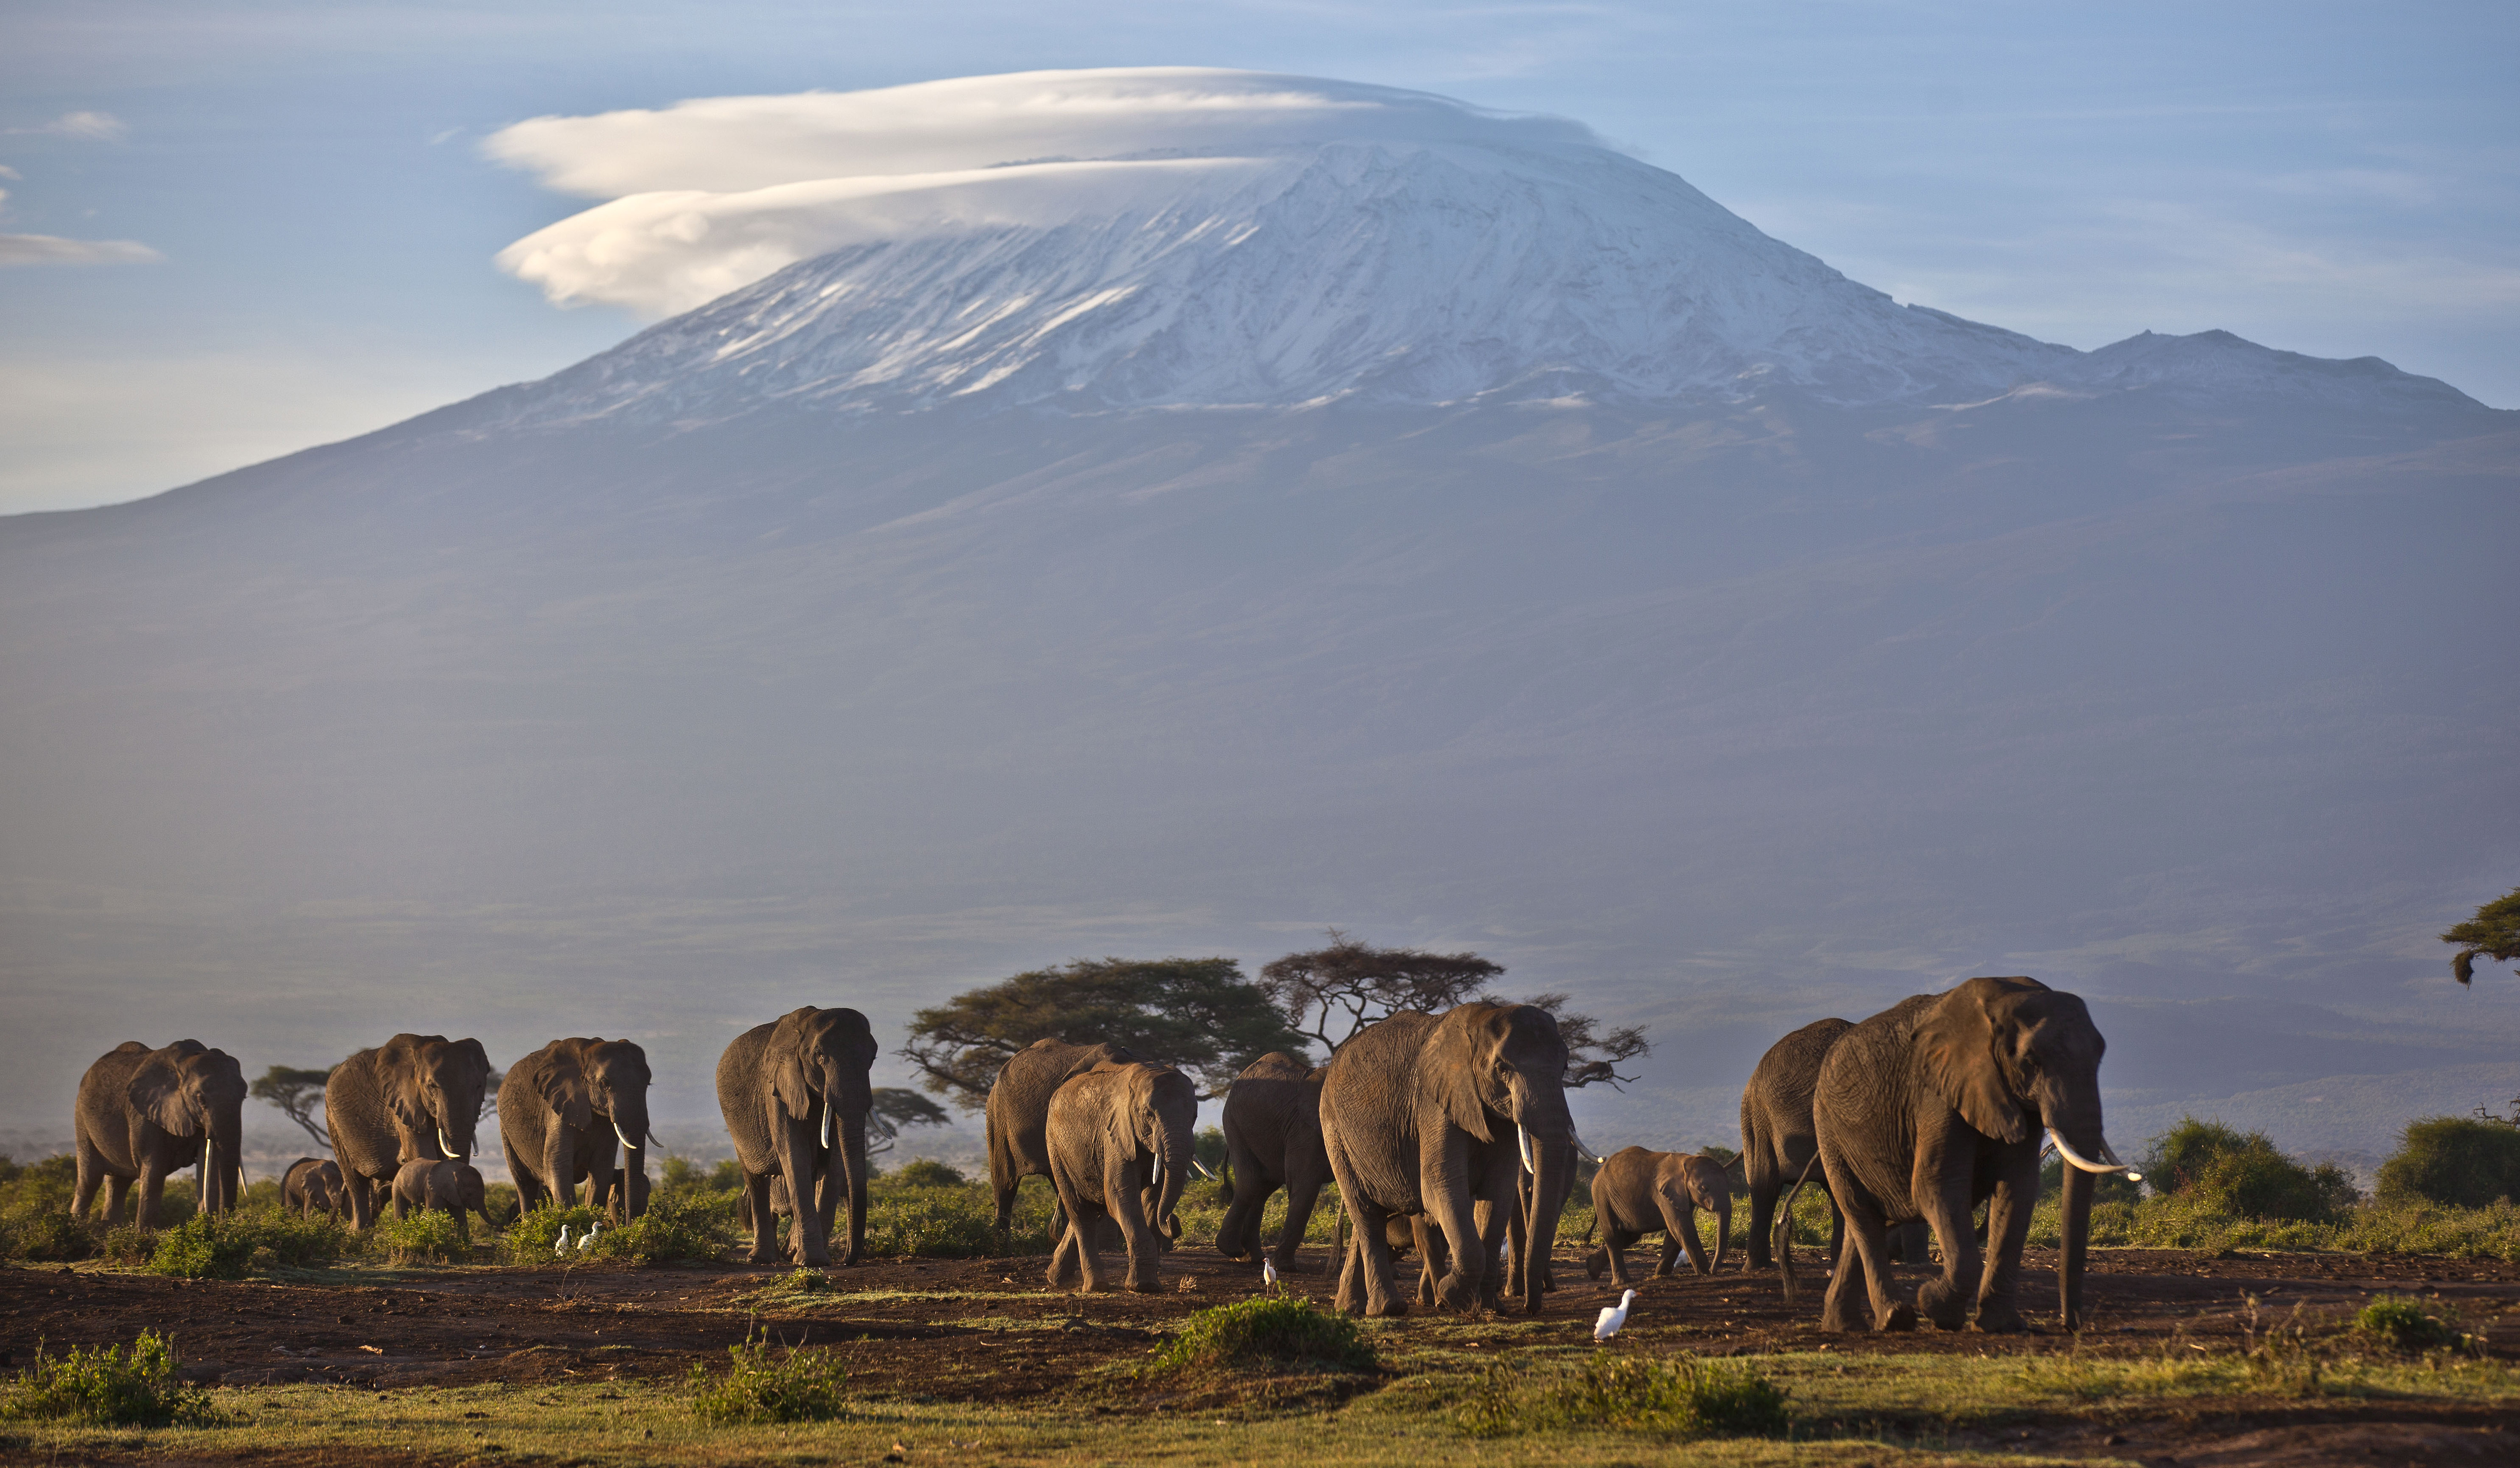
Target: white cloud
{"x":7,"y":172}
{"x":52,"y":249}
{"x":713,"y":194}
{"x":90,"y":127}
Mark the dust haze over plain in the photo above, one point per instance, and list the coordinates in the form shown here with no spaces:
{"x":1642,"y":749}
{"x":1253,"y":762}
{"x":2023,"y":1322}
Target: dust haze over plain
{"x":1173,"y":511}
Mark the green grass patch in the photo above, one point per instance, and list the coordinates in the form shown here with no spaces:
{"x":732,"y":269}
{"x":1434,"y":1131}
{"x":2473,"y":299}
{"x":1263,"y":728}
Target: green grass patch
{"x":2403,"y":1323}
{"x":1279,"y":1331}
{"x":1675,"y":1397}
{"x":108,"y":1386}
{"x":796,"y":1384}
{"x":231,"y":1245}
{"x":427,"y":1237}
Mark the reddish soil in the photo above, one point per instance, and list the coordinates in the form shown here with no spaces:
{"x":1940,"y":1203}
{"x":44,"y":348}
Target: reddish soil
{"x":605,"y":1323}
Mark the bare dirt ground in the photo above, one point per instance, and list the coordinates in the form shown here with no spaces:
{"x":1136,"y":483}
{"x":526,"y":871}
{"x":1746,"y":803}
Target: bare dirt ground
{"x":987,"y":1331}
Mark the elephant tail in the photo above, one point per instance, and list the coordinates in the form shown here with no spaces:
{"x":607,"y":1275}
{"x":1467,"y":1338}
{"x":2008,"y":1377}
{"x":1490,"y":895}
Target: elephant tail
{"x":1783,"y":1246}
{"x":1590,"y":1228}
{"x":1225,"y":1181}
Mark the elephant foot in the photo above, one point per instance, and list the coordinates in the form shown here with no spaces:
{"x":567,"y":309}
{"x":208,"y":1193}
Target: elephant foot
{"x":761,"y":1254}
{"x":1456,"y":1292}
{"x":1389,"y":1310}
{"x":1900,"y":1319}
{"x":2001,"y":1317}
{"x":1145,"y":1287}
{"x":1838,"y":1320}
{"x":1943,"y":1304}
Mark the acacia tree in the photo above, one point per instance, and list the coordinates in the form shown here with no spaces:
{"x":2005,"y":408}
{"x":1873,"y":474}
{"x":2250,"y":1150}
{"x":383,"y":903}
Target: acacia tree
{"x":1198,"y":1014}
{"x":296,"y":1092}
{"x":2494,"y":932}
{"x":1343,"y":988}
{"x":896,"y":1107}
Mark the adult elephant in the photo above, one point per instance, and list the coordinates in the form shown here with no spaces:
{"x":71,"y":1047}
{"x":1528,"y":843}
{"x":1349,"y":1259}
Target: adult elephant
{"x":1777,"y":1139}
{"x":560,"y":1110}
{"x":1119,"y":1139}
{"x":795,"y":1098}
{"x":1019,"y":1110}
{"x":143,"y":1114}
{"x":1938,"y":1104}
{"x":1428,"y":1115}
{"x":414,"y":1098}
{"x":1272,"y":1139}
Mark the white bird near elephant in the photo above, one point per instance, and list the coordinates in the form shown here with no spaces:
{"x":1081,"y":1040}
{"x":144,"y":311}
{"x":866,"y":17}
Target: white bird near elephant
{"x":1268,"y":1271}
{"x":1614,"y":1317}
{"x":563,"y":1246}
{"x":588,"y":1242}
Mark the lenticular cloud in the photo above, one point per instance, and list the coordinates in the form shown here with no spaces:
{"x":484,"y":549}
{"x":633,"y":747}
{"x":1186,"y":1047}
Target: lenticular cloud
{"x":712,"y":195}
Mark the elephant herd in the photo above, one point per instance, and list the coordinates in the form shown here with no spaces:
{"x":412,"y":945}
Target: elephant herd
{"x":1448,"y":1134}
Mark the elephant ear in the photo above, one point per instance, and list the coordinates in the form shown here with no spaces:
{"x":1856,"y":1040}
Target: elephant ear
{"x":397,"y":1066}
{"x":1120,"y":1108}
{"x":1956,"y":1049}
{"x":471,"y":1051}
{"x":786,"y":1057}
{"x":1459,"y":1047}
{"x":156,"y":1091}
{"x":560,"y":1081}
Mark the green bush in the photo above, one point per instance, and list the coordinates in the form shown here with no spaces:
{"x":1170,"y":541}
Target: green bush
{"x":128,"y":1244}
{"x":2242,"y":1174}
{"x":1683,"y":1397}
{"x":934,"y":1223}
{"x":1277,"y":1331}
{"x":531,"y":1239}
{"x":429,"y":1236}
{"x":682,"y":1175}
{"x":799,"y":1386}
{"x":2403,"y":1323}
{"x":676,"y":1228}
{"x":2179,"y":1156}
{"x":103,"y":1386}
{"x":2462,"y":1161}
{"x":924,"y":1172}
{"x":224,"y":1246}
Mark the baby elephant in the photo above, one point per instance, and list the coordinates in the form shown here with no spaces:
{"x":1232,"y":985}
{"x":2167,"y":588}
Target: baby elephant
{"x":313,"y":1185}
{"x":447,"y":1186}
{"x":1637,"y":1193}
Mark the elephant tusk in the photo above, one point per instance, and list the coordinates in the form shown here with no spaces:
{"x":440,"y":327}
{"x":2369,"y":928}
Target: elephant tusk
{"x":2066,"y":1150}
{"x":447,"y":1148}
{"x":1202,"y":1170}
{"x":1522,"y":1149}
{"x":626,"y":1143}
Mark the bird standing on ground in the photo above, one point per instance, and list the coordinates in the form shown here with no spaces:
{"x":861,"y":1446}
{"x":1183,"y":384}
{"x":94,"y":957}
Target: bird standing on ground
{"x":1613,"y":1317}
{"x":588,"y":1242}
{"x":563,"y":1246}
{"x":1268,"y":1271}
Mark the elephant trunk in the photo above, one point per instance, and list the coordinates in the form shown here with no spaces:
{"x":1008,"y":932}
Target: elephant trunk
{"x":1172,"y":1175}
{"x":1723,"y":1211}
{"x":2074,"y":1229}
{"x":1551,"y":1181}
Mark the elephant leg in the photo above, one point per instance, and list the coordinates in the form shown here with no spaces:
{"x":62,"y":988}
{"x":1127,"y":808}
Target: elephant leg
{"x":807,"y":1241}
{"x":560,"y":1166}
{"x":1680,"y":1226}
{"x":522,"y":1176}
{"x":1764,"y":1191}
{"x":1488,"y":1221}
{"x":152,"y":1188}
{"x":1350,"y":1295}
{"x":117,"y":1190}
{"x":1373,"y":1248}
{"x":756,"y":1209}
{"x":91,"y":1175}
{"x":2007,"y":1226}
{"x":1145,"y":1244}
{"x":1944,"y":1201}
{"x":1063,"y":1261}
{"x":1616,"y":1242}
{"x":1428,"y":1241}
{"x":1302,"y":1195}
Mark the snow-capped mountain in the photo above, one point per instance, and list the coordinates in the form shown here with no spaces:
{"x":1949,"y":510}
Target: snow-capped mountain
{"x":1170,"y":513}
{"x":1388,"y":247}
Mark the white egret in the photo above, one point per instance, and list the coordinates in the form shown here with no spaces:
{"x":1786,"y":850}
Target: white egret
{"x":588,"y":1242}
{"x":1613,"y":1317}
{"x":1268,"y":1271}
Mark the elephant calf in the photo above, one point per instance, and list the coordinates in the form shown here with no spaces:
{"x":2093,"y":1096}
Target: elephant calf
{"x":1637,"y":1193}
{"x":446,"y":1186}
{"x":313,"y":1185}
{"x":1119,"y":1142}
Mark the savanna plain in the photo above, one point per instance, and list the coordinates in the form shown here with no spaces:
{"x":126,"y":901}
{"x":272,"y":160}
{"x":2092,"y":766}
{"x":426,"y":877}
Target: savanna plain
{"x":2386,"y":1333}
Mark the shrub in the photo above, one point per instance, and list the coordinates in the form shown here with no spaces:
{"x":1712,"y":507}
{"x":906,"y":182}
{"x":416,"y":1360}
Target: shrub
{"x":935,"y":1223}
{"x":2242,"y":1174}
{"x":2460,"y":1161}
{"x":531,"y":1237}
{"x":2179,"y":1156}
{"x":128,"y":1244}
{"x":799,"y":1386}
{"x":1280,"y":1331}
{"x":2403,"y":1323}
{"x":427,"y":1236}
{"x":224,"y":1246}
{"x":676,"y":1228}
{"x":105,"y":1386}
{"x":51,"y":1236}
{"x":926,"y":1173}
{"x":1681,"y":1398}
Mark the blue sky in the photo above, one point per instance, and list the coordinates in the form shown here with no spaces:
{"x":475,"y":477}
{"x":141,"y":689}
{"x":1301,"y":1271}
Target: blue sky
{"x":2335,"y":179}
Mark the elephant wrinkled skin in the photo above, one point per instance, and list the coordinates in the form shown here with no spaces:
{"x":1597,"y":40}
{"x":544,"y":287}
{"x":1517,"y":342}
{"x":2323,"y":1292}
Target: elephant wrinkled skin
{"x":415,"y":1099}
{"x":1119,"y":1140}
{"x":1420,"y":1115}
{"x":1938,"y":1104}
{"x":1637,"y":1193}
{"x":560,"y":1110}
{"x":795,"y":1098}
{"x":1272,"y":1139}
{"x":144,"y":1114}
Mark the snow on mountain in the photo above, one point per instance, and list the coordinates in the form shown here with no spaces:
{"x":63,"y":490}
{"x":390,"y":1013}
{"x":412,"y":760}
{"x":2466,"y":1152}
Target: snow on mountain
{"x":1316,"y":242}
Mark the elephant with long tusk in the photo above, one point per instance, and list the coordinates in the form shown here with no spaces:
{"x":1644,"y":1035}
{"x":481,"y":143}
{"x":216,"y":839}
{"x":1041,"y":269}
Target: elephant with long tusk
{"x":145,"y":1114}
{"x":416,"y":1097}
{"x":1940,"y":1103}
{"x":795,"y":1096}
{"x":560,"y":1110}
